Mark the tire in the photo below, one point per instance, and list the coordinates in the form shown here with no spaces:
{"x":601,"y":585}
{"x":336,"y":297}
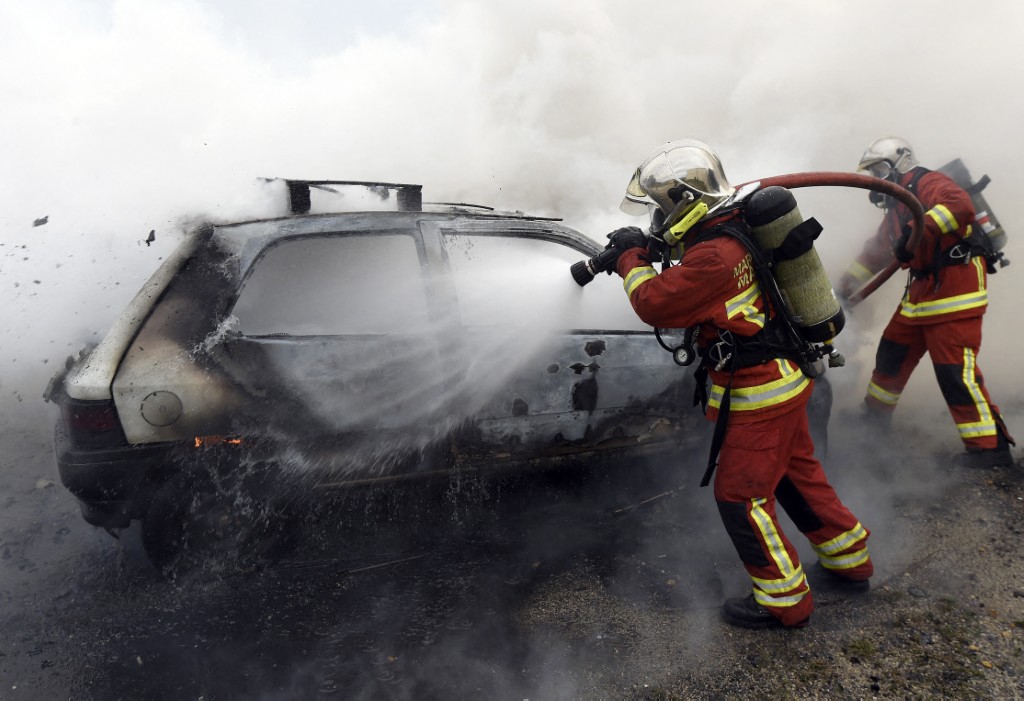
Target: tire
{"x":199,"y":523}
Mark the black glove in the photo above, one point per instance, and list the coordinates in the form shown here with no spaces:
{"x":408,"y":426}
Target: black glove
{"x":626,"y":238}
{"x":900,"y":250}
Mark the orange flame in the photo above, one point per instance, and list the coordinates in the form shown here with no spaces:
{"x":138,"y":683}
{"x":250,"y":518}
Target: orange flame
{"x":201,"y":441}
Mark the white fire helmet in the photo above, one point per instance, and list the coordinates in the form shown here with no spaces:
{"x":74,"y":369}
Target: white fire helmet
{"x":682,"y":171}
{"x":887,"y":157}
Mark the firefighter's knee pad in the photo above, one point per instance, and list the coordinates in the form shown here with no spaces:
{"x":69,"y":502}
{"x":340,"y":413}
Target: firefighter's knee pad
{"x":890,"y":356}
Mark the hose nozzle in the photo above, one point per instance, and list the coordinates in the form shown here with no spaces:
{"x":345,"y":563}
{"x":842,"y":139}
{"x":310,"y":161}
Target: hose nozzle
{"x":586,"y":270}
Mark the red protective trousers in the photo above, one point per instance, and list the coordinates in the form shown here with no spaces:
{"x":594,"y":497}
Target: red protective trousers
{"x":772,"y":461}
{"x":953,"y":347}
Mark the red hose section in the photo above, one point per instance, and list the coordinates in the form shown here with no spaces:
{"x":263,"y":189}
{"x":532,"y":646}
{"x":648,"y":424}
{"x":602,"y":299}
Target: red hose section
{"x":863,"y":182}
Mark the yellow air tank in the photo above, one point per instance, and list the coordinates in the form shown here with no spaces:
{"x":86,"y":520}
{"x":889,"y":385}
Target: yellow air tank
{"x":984,"y":216}
{"x":782,"y":233}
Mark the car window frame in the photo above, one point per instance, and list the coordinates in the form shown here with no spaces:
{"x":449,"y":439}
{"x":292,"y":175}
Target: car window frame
{"x":544,"y":230}
{"x":412,"y":232}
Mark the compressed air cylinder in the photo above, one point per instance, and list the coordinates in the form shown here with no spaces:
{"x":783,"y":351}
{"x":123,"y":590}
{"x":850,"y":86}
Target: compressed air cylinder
{"x":990,"y":226}
{"x":983,"y":214}
{"x":780,"y":230}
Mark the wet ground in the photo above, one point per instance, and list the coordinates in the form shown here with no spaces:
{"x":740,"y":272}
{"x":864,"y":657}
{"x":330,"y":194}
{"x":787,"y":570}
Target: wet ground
{"x":568,"y":585}
{"x":419,"y":593}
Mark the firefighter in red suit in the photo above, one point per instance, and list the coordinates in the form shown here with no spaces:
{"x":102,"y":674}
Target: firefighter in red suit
{"x":942,"y":308}
{"x":767,"y":455}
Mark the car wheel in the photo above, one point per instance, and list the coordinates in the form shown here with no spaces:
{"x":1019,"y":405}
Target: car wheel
{"x":198,"y":522}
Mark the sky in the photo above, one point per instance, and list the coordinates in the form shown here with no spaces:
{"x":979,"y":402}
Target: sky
{"x":121,"y":117}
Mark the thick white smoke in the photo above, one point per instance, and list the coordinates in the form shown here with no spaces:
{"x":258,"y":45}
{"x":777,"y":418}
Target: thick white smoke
{"x":123,"y":117}
{"x":126,"y":116}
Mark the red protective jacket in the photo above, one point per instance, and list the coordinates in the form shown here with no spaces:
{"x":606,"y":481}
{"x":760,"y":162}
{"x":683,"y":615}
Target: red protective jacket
{"x":714,"y":286}
{"x":950,"y":292}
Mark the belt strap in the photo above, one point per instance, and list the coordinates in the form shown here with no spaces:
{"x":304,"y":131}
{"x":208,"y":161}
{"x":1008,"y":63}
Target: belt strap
{"x":718,"y":437}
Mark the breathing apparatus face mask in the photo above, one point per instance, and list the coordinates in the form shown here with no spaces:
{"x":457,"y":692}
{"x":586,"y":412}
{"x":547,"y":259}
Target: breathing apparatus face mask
{"x":883,"y":170}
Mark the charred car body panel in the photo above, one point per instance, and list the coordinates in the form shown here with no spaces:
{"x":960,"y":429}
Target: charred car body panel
{"x":360,"y":346}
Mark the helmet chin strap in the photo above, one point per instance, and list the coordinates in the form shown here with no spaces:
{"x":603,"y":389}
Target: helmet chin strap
{"x":902,"y":154}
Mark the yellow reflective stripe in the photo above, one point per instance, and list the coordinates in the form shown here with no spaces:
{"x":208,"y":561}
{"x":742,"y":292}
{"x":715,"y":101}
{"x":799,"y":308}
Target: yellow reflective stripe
{"x":971,"y":300}
{"x":941,"y":215}
{"x":882,"y":395}
{"x":637,"y":277}
{"x":968,"y":231}
{"x":744,"y":299}
{"x":977,"y":430}
{"x":829,"y":551}
{"x":979,"y":268}
{"x":781,"y":586}
{"x":778,"y":601}
{"x":844,"y":562}
{"x":743,"y":303}
{"x":792,"y":383}
{"x":986,"y":424}
{"x":843,"y":541}
{"x":792,"y":575}
{"x":772,"y":538}
{"x":858,"y":271}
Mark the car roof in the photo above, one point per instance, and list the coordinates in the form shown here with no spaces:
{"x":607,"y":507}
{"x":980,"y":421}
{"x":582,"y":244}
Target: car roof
{"x":248,"y":237}
{"x":401,"y":205}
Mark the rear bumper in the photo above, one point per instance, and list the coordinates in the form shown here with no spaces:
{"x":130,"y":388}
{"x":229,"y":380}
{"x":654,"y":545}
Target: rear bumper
{"x":106,"y":481}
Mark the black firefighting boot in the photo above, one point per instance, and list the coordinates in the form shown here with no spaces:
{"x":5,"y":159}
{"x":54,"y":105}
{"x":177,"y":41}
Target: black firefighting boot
{"x":745,"y":612}
{"x":825,"y":581}
{"x":1000,"y":456}
{"x":876,"y":420}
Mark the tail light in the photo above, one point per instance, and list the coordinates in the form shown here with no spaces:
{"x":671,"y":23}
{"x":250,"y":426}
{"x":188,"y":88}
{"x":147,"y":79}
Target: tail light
{"x":92,"y":424}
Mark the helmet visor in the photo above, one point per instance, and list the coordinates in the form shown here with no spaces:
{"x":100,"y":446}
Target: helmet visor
{"x":636,"y":200}
{"x":879,"y":169}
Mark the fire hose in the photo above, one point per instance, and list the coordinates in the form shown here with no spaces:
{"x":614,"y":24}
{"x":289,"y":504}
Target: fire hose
{"x":863,"y":182}
{"x":584,"y":271}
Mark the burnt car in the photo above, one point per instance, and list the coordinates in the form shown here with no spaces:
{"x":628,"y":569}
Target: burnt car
{"x":316,"y":351}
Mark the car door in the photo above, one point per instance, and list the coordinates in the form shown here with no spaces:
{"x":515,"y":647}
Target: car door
{"x":549,"y":365}
{"x":333,"y":337}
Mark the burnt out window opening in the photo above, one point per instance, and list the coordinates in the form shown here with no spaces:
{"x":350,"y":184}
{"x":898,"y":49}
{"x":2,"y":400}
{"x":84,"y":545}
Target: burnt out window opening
{"x":522,"y":279}
{"x":195,"y":299}
{"x":335,"y":286}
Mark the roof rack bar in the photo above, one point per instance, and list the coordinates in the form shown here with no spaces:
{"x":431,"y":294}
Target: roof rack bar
{"x":410,"y":197}
{"x":298,"y":197}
